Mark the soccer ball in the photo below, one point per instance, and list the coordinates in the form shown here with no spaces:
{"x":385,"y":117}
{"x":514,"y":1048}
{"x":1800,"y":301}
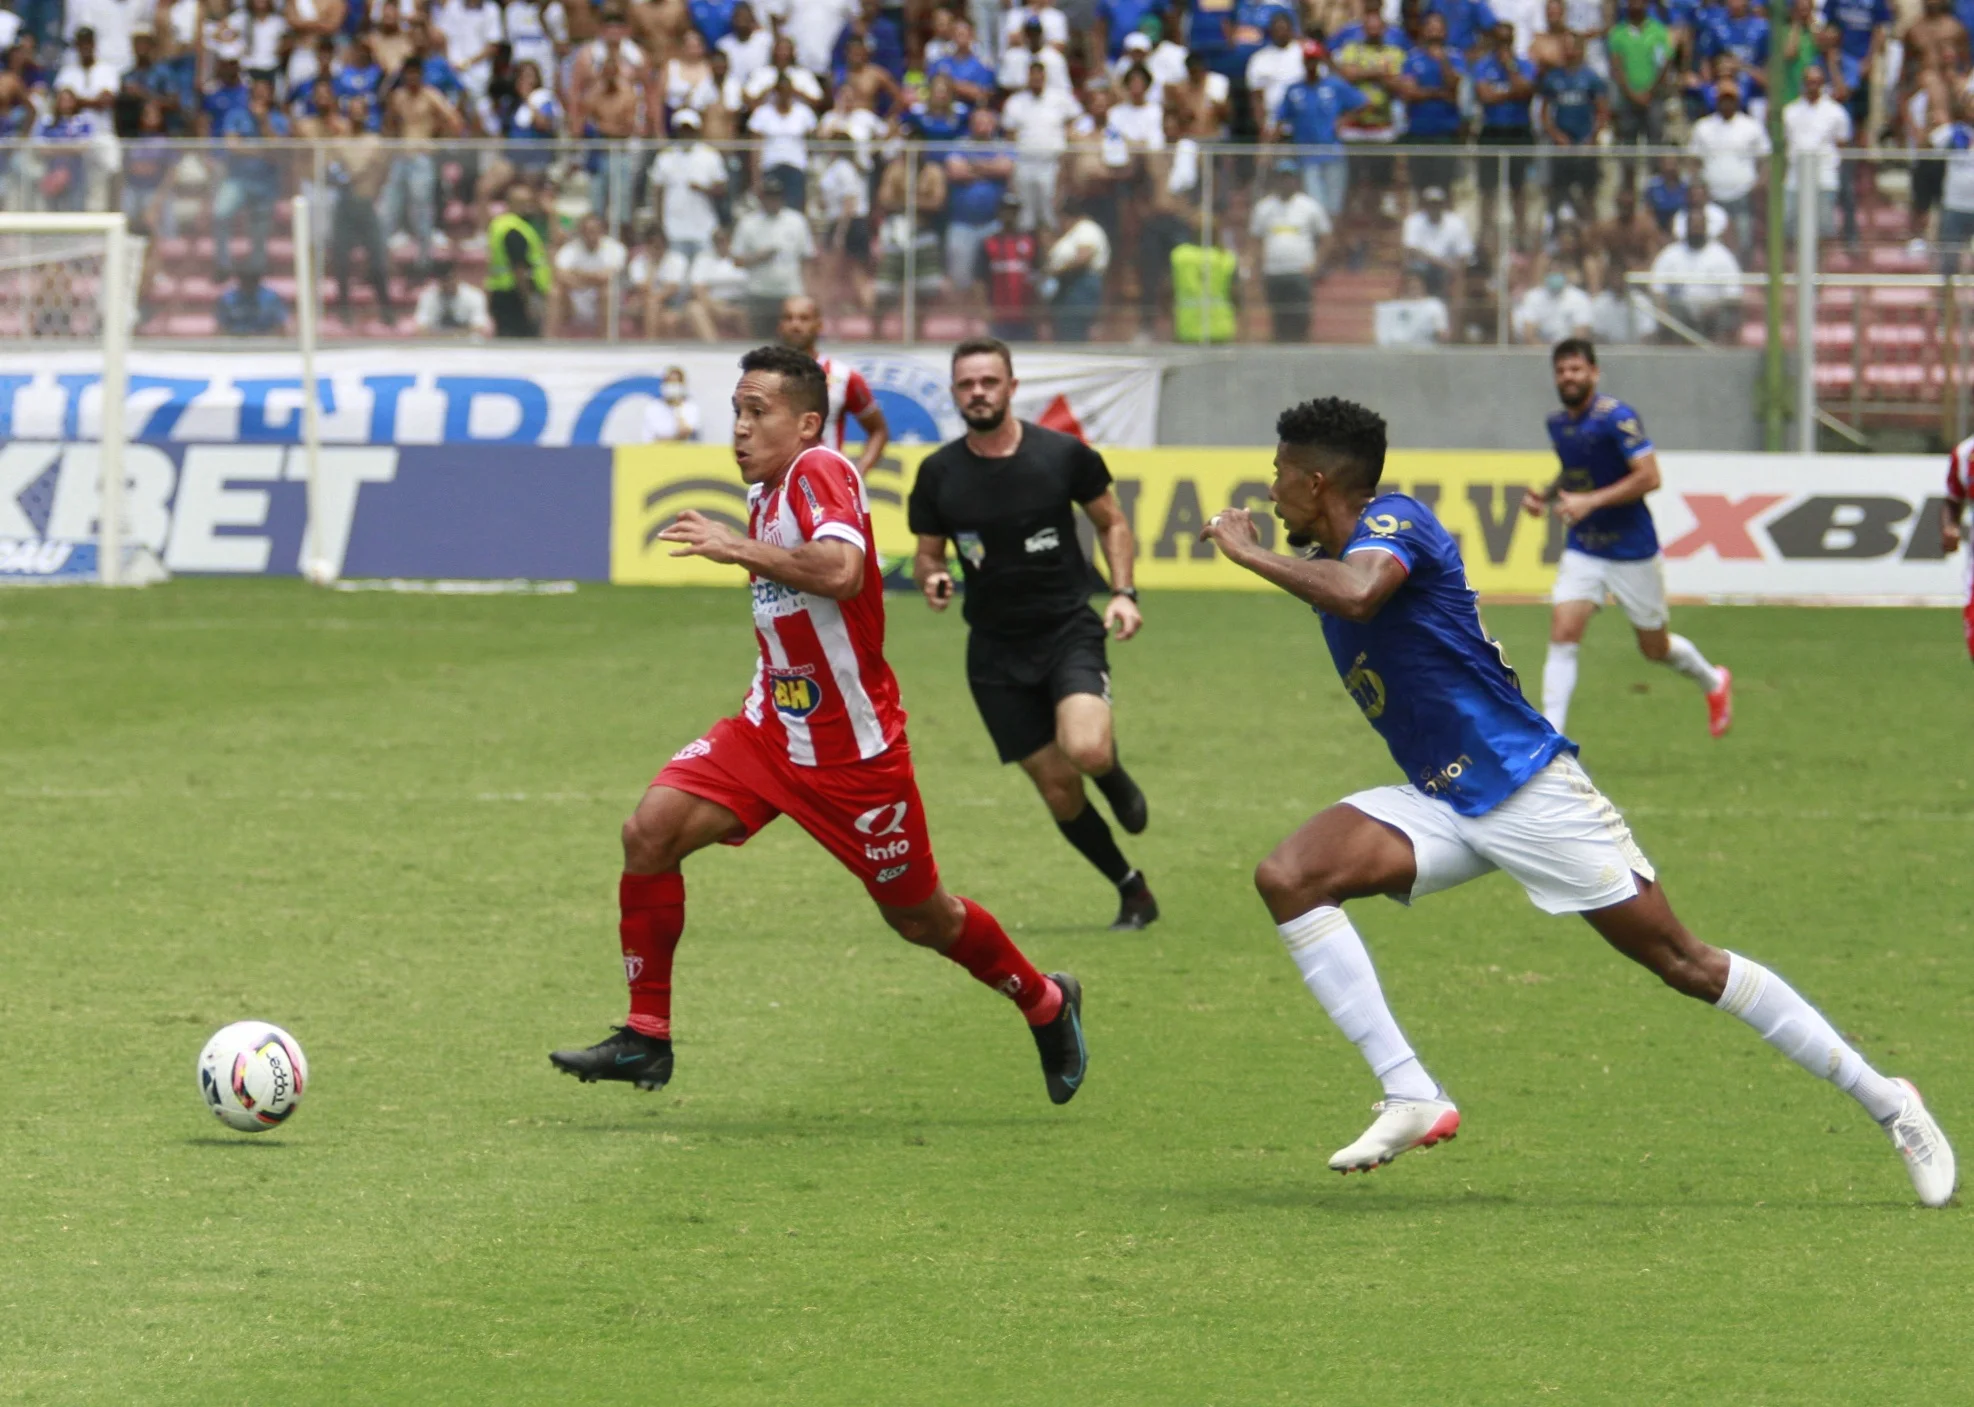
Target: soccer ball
{"x":251,"y":1075}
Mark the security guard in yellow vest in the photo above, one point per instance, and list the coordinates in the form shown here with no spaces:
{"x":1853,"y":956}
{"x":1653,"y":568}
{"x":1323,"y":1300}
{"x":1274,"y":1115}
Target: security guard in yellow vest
{"x":517,"y":267}
{"x":1203,"y":294}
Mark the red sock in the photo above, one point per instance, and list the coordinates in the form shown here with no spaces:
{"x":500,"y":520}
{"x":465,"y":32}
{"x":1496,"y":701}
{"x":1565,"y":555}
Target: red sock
{"x":653,"y":907}
{"x":991,"y":956}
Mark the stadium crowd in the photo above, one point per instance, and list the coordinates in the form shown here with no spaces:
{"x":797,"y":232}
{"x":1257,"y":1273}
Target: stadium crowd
{"x":677,"y":167}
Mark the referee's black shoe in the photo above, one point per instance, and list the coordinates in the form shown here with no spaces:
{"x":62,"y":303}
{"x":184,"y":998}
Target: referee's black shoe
{"x":630,"y":1056}
{"x":1127,"y":800}
{"x":1136,"y":907}
{"x":1064,"y":1056}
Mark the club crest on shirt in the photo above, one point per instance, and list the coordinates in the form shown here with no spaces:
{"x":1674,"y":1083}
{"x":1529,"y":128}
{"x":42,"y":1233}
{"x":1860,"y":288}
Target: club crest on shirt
{"x":794,"y":691}
{"x":971,"y":548}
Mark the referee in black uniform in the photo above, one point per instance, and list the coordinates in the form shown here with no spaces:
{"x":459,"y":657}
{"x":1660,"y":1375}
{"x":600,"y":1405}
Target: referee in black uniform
{"x":1006,"y":495}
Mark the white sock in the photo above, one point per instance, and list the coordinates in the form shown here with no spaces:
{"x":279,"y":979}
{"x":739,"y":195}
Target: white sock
{"x":1800,"y":1031}
{"x":1558,"y":683}
{"x":1338,"y":972}
{"x":1684,"y":656}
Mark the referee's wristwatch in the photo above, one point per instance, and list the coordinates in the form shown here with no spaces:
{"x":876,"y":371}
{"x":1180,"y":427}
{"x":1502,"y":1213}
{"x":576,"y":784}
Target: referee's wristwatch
{"x":1129,"y":593}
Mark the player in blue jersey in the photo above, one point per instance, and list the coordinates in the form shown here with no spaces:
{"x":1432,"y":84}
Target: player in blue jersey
{"x":1609,"y":466}
{"x":1490,"y":786}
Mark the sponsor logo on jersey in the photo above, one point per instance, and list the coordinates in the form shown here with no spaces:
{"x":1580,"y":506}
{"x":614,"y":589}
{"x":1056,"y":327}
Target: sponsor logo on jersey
{"x":1047,"y":540}
{"x":633,"y":967}
{"x":895,"y":850}
{"x":1445,"y":777}
{"x":1365,"y":687}
{"x":885,"y":876}
{"x":971,"y":548}
{"x":771,"y":599}
{"x":698,"y":747}
{"x":882,"y":820}
{"x":795,"y":691}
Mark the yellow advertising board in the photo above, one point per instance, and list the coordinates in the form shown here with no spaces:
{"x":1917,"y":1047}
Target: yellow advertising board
{"x":1167,"y":494}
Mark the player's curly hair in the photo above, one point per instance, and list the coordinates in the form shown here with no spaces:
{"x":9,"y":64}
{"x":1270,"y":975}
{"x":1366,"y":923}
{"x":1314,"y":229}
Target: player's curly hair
{"x":802,"y":379}
{"x":1351,"y":435}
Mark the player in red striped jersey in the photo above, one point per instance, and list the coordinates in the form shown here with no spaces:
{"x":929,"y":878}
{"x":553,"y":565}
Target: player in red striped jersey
{"x":820,"y":738}
{"x":849,"y":394}
{"x":1960,"y":487}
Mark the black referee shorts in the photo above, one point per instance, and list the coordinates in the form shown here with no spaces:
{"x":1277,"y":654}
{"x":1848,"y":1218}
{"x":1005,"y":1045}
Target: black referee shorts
{"x":1017,"y":681}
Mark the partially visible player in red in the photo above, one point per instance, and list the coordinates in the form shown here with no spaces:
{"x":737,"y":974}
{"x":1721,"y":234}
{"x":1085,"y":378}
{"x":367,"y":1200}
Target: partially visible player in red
{"x":1960,"y":488}
{"x":849,"y":394}
{"x":820,"y":738}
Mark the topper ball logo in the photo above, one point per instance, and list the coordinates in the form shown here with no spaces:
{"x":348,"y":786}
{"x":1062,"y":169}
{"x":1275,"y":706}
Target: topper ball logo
{"x":882,"y":820}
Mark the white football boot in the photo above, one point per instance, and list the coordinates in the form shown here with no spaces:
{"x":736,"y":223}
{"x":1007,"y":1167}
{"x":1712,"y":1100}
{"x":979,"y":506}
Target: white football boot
{"x":1420,"y":1123}
{"x":1923,"y":1144}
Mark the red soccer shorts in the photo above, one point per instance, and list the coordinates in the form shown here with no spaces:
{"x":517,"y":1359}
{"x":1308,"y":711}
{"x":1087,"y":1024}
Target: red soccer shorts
{"x":866,"y":814}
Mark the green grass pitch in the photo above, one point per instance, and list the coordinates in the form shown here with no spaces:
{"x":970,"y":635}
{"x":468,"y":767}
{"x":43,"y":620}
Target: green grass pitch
{"x":390,"y":824}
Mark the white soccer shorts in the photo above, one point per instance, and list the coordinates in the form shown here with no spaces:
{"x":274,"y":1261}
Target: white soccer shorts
{"x":1640,"y":586}
{"x":1558,"y":836}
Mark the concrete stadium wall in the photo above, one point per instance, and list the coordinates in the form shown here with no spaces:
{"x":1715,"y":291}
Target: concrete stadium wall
{"x":1457,"y":398}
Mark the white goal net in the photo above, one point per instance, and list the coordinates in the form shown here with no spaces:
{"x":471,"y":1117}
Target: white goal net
{"x":68,"y":282}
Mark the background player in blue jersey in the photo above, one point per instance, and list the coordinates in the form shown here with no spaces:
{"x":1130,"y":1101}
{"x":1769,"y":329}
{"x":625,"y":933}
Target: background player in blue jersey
{"x":1491,"y":786}
{"x":1613,"y":549}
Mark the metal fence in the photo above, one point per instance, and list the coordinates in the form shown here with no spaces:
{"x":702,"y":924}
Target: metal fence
{"x":1103,"y":242}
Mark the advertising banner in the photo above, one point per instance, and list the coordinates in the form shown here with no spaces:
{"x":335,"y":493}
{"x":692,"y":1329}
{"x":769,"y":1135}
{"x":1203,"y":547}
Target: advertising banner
{"x":515,"y":394}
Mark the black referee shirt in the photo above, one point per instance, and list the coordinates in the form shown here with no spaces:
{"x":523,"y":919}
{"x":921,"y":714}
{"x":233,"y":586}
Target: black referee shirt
{"x":1014,"y":522}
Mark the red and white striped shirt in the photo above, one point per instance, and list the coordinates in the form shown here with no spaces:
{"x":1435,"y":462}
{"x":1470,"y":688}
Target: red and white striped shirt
{"x":1960,"y":472}
{"x":849,"y":396}
{"x":822,"y":689}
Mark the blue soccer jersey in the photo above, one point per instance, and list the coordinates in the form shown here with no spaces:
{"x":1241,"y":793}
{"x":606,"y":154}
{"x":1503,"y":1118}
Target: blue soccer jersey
{"x":1428,"y":677}
{"x":1596,"y":451}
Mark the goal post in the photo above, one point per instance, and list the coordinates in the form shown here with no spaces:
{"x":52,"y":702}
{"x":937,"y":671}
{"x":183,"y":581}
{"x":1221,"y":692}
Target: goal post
{"x":67,"y":281}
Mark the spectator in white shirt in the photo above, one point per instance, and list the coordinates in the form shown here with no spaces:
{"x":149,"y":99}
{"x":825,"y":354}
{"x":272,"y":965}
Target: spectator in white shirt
{"x":449,"y":308}
{"x":1013,"y":72}
{"x":749,"y":45}
{"x":815,"y":26}
{"x":536,"y":33}
{"x":1438,"y":246}
{"x":1039,"y":118}
{"x":1711,"y":309}
{"x":1700,"y":205}
{"x":1292,"y":228}
{"x":1414,"y":318}
{"x":672,"y":418}
{"x":1076,"y":264}
{"x":1731,"y":146}
{"x":471,"y":29}
{"x":1816,"y":124}
{"x":781,"y":64}
{"x":584,"y":268}
{"x":775,"y":246}
{"x":784,"y":125}
{"x":93,"y":80}
{"x":112,"y":22}
{"x":1554,"y":309}
{"x":1273,"y":69}
{"x":1135,"y":120}
{"x":1053,"y":23}
{"x":689,"y":176}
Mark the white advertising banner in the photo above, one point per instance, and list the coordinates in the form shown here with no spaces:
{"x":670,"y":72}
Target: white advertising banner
{"x":1850,"y":528}
{"x":519,"y":393}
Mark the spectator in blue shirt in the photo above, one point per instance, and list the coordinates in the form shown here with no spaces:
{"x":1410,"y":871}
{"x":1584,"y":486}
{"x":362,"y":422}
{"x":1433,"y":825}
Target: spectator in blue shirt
{"x":1117,"y":19}
{"x":1575,"y":110}
{"x":251,"y":309}
{"x":228,"y":91}
{"x":1735,"y":31}
{"x":713,"y":19}
{"x":977,"y":174}
{"x":939,"y":116}
{"x":1208,"y":30}
{"x":253,"y":177}
{"x":65,"y":169}
{"x":362,"y":77}
{"x":972,"y":77}
{"x":1251,"y":21}
{"x":152,"y":80}
{"x":1665,"y":192}
{"x":1504,"y":86}
{"x":1468,"y":23}
{"x":1308,"y":117}
{"x":1430,"y":85}
{"x":1863,"y":25}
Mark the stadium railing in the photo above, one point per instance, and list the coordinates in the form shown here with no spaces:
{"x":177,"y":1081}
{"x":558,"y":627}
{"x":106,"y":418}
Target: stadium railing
{"x":1193,"y":252}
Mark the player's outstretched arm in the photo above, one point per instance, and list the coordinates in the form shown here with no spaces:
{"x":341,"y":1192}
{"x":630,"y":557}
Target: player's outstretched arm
{"x":1354,"y":588}
{"x":929,"y":570}
{"x":826,"y":567}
